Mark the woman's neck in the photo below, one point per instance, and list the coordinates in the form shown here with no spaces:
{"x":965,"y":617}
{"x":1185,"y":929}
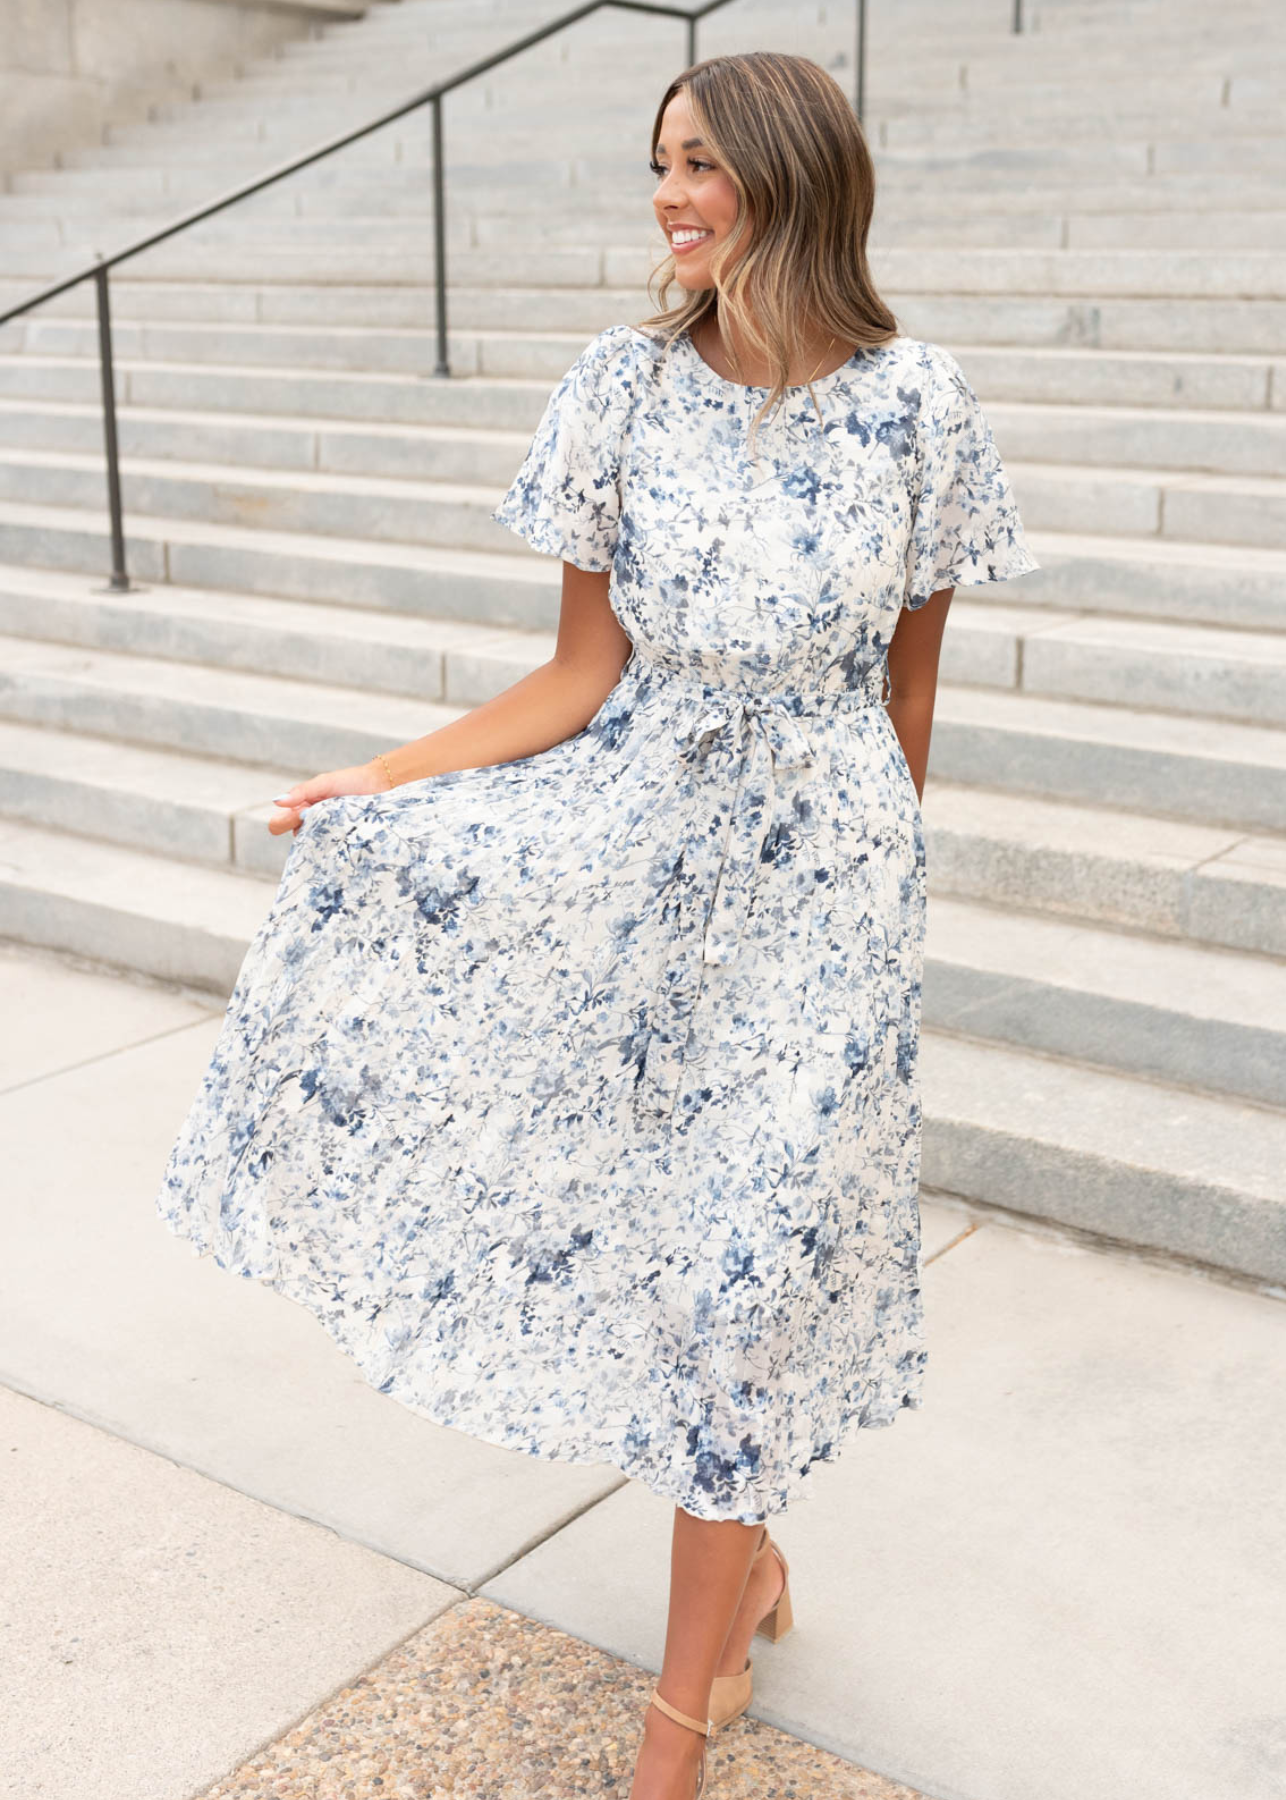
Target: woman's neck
{"x":824,"y":355}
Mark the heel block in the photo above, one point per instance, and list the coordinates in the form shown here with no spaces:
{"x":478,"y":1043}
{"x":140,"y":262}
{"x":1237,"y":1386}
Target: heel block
{"x":775,"y":1624}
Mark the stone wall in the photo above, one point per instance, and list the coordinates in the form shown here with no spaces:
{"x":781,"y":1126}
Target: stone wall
{"x":69,"y":67}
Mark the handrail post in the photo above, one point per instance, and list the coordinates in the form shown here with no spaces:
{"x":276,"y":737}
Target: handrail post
{"x":692,"y":39}
{"x":859,"y":58}
{"x":440,"y":238}
{"x":1018,"y":15}
{"x":119,"y":579}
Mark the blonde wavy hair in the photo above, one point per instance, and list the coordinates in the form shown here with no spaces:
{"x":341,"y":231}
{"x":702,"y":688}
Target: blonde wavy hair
{"x":794,"y":264}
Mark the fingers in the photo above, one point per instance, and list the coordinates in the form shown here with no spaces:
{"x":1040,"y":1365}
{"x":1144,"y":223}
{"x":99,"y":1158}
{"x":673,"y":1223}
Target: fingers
{"x":293,"y":803}
{"x":296,"y":800}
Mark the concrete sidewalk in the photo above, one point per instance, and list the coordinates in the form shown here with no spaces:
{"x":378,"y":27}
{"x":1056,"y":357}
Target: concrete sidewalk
{"x":232,"y":1562}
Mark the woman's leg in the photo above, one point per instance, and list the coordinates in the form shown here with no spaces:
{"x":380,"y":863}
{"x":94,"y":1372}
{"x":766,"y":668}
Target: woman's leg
{"x":709,"y":1562}
{"x":761,"y":1593}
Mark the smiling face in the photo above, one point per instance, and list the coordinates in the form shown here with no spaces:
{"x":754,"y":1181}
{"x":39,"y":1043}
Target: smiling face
{"x":695,"y":201}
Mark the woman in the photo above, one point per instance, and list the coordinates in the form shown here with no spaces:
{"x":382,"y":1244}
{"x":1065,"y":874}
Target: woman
{"x":573,"y":1083}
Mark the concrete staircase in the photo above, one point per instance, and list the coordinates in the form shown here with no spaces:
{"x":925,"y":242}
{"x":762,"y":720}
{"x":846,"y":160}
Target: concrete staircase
{"x":1091,"y":216}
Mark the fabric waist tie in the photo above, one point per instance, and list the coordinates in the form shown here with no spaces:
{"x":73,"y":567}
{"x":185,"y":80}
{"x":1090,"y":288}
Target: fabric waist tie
{"x":751,"y":738}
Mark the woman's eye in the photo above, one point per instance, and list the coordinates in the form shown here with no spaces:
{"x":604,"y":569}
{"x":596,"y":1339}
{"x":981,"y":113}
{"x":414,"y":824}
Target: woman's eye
{"x":694,"y":162}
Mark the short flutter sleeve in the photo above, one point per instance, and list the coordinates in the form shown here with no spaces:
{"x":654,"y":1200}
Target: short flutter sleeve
{"x":965,"y":526}
{"x":565,"y":500}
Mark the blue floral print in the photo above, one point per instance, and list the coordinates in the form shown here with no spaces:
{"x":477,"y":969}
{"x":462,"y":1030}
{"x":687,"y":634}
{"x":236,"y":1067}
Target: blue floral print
{"x":577,"y":1096}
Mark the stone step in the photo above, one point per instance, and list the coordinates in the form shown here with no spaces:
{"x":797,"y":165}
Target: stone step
{"x":940,"y":116}
{"x":1145,"y":1163}
{"x":1136,"y":1160}
{"x":1213,"y":1018}
{"x":1201,"y":440}
{"x":1165,"y":274}
{"x":1197,"y":670}
{"x":40,"y":244}
{"x":241,"y":716}
{"x":903,"y":228}
{"x":1145,"y":578}
{"x":351,"y":397}
{"x":974,"y":124}
{"x":129,"y":909}
{"x":269,"y":86}
{"x":1136,"y":503}
{"x":520,"y":590}
{"x":1185,"y":507}
{"x":344,"y":318}
{"x":899,"y":56}
{"x":1178,"y":439}
{"x":277,"y":117}
{"x":1206,"y":1018}
{"x":407,"y":144}
{"x":1160,"y":382}
{"x":451,"y":661}
{"x":332,"y":187}
{"x":190,"y":183}
{"x":186,"y":258}
{"x":446,"y":515}
{"x":1212,"y":771}
{"x":1172,"y":878}
{"x":297,"y":347}
{"x":1176,"y":881}
{"x":612,"y":209}
{"x":422,"y":452}
{"x":194,"y":809}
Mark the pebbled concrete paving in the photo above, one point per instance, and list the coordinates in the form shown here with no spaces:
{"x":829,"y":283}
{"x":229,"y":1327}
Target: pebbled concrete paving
{"x":485,"y":1702}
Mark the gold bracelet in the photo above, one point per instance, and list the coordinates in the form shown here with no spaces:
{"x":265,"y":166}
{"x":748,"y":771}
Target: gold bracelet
{"x":380,"y":757}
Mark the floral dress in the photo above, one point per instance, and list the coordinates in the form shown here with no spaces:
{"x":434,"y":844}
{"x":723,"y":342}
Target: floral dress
{"x":577,"y":1096}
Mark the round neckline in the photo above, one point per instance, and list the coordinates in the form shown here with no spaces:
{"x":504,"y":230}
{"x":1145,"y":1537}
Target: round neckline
{"x":818,"y":384}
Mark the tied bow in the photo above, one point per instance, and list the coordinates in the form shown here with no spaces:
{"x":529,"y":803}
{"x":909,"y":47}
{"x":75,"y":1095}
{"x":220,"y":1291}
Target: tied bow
{"x":776,"y":741}
{"x":739,"y":745}
{"x":719,"y":867}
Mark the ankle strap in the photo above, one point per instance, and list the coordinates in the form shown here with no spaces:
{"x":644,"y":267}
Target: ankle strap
{"x":704,"y":1726}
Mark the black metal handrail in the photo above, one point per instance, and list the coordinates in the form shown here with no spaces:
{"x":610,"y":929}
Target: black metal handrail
{"x":98,"y":271}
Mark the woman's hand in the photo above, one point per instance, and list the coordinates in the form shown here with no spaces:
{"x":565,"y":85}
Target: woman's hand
{"x":361,"y":778}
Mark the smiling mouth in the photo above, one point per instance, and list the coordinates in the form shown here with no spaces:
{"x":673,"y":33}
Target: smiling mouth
{"x":678,"y":246}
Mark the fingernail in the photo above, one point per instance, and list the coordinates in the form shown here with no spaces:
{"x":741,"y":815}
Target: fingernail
{"x":282,"y":800}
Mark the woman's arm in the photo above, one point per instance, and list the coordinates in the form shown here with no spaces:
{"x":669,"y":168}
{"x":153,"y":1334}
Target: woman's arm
{"x":536,"y":712}
{"x":913,"y":679}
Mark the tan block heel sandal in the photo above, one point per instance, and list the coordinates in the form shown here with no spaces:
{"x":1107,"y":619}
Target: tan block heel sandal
{"x":730,"y":1695}
{"x":704,"y":1726}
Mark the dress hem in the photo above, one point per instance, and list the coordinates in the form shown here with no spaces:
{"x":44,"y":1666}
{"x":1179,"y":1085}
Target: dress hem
{"x":798,"y":1487}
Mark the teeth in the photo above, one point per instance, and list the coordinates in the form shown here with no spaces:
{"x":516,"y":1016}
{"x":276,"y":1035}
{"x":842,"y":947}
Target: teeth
{"x":687,"y":237}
